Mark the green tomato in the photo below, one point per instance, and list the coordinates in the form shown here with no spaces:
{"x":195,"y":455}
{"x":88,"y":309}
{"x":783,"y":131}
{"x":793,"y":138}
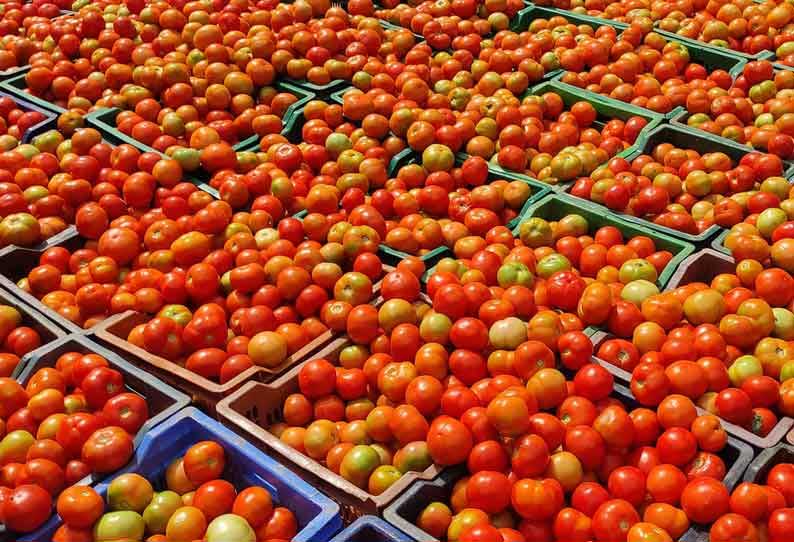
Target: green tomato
{"x":359,"y":463}
{"x":784,"y":324}
{"x":160,"y":510}
{"x":787,"y":371}
{"x":637,"y":291}
{"x":536,"y":232}
{"x":114,"y":526}
{"x":551,"y":264}
{"x":14,"y":446}
{"x":515,"y":273}
{"x":130,"y":492}
{"x":229,"y":528}
{"x":769,"y":219}
{"x":743,"y":368}
{"x":637,"y":269}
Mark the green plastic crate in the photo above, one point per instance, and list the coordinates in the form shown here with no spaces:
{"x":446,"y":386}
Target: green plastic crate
{"x":606,"y":108}
{"x":686,"y":138}
{"x":691,"y":42}
{"x":539,"y":189}
{"x":407,"y":156}
{"x":556,"y":206}
{"x":17,"y":86}
{"x":529,"y":14}
{"x":718,"y":243}
{"x":104,"y":120}
{"x":711,"y":59}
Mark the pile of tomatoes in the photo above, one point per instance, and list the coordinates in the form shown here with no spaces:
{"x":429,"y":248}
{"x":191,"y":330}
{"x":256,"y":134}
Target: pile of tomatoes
{"x":754,"y":110}
{"x":724,"y":346}
{"x":281,"y":153}
{"x":64,"y":423}
{"x":196,"y":503}
{"x":17,"y":339}
{"x":685,"y":190}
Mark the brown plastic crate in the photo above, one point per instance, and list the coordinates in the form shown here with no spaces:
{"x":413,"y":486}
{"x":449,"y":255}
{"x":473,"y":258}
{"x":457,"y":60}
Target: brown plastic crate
{"x":256,"y":406}
{"x":115,"y":329}
{"x":702,"y":266}
{"x":777,"y":434}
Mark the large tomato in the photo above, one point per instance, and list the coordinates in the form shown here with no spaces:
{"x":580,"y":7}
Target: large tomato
{"x":107,"y":449}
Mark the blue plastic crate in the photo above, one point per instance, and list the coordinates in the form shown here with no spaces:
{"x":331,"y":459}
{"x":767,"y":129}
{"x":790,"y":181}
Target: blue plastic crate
{"x":164,"y":402}
{"x":318,"y":517}
{"x":371,"y":529}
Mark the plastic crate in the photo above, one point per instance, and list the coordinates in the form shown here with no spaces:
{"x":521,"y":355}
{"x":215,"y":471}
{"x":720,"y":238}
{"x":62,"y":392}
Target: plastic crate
{"x":718,"y":243}
{"x":47,"y":330}
{"x":163,"y":400}
{"x":104,"y":120}
{"x":402,"y":513}
{"x":694,"y":42}
{"x":606,"y":110}
{"x":777,"y":434}
{"x":114,"y":330}
{"x":763,"y":463}
{"x":321,"y":91}
{"x":16,"y":86}
{"x":408,"y":156}
{"x":49,"y":122}
{"x":255,"y":407}
{"x":702,"y":266}
{"x":687,"y":138}
{"x":17,"y":262}
{"x":556,"y":206}
{"x":711,"y":59}
{"x":318,"y":518}
{"x":756,"y":471}
{"x":371,"y":529}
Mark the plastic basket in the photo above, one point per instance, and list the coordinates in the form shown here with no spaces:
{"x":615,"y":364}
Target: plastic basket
{"x":777,"y":434}
{"x":318,"y":518}
{"x":702,"y":266}
{"x":402,"y":513}
{"x":256,"y":406}
{"x":50,"y":118}
{"x":113,"y":332}
{"x":162,"y":400}
{"x":711,"y":59}
{"x":686,"y":138}
{"x":321,"y":91}
{"x":694,"y":42}
{"x":757,"y":471}
{"x":47,"y":330}
{"x":606,"y":110}
{"x":408,"y":156}
{"x":16,"y":86}
{"x":556,"y":206}
{"x":371,"y":529}
{"x":16,"y":263}
{"x":719,"y":243}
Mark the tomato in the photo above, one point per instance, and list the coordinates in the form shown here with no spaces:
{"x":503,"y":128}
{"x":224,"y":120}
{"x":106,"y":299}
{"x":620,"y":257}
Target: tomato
{"x":537,"y":499}
{"x":778,"y":478}
{"x":488,"y":491}
{"x":733,"y":527}
{"x":613,"y":520}
{"x":780,"y":524}
{"x":203,"y":462}
{"x":705,"y":499}
{"x":27,"y":508}
{"x":80,"y":506}
{"x":107,"y":449}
